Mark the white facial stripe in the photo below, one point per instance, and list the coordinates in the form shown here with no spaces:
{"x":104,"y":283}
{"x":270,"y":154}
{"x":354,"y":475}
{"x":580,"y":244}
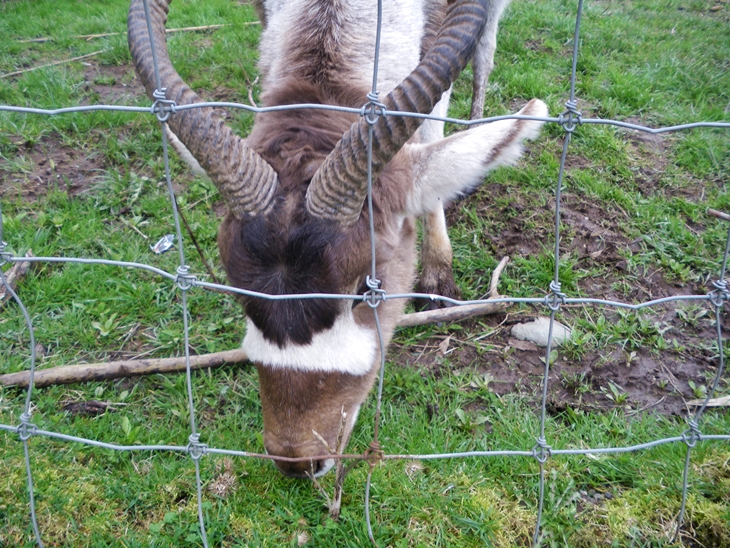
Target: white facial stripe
{"x":346,"y":348}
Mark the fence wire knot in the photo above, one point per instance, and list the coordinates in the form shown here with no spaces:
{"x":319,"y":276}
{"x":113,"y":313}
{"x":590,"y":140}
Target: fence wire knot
{"x":184,"y":279}
{"x":720,"y":295}
{"x":692,"y":435}
{"x":195,"y":448}
{"x":162,"y":107}
{"x":571,"y":118}
{"x":5,"y":256}
{"x":374,"y":295}
{"x":542,"y":450}
{"x":373,"y":109}
{"x":374,"y":454}
{"x":26,"y":428}
{"x":555,"y":298}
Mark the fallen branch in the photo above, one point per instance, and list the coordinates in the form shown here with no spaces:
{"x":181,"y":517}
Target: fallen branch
{"x":17,"y":72}
{"x":128,"y":368}
{"x":113,"y":370}
{"x":13,"y":276}
{"x":89,"y":37}
{"x":452,"y":314}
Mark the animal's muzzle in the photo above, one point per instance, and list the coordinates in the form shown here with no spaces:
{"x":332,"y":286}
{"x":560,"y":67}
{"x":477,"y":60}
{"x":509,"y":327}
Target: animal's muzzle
{"x":305,"y":469}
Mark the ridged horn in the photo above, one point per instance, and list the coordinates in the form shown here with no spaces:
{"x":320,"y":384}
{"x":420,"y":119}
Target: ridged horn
{"x":246,"y":181}
{"x":338,"y":189}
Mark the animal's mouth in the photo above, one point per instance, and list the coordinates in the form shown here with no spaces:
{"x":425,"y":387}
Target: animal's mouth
{"x":316,"y":469}
{"x":325,"y":467}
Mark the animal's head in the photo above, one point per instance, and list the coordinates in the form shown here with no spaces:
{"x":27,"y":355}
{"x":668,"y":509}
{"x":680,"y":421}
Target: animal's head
{"x":296,"y":190}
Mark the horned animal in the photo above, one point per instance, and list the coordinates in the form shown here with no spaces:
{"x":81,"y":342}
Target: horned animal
{"x":297,"y":185}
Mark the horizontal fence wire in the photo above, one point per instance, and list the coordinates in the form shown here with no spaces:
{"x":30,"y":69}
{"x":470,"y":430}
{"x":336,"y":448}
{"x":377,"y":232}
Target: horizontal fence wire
{"x":553,"y":300}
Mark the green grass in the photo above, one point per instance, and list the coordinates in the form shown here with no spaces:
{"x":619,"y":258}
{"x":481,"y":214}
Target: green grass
{"x":659,"y":62}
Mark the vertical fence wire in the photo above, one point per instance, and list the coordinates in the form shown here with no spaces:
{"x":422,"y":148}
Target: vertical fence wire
{"x":555,"y":296}
{"x":184,"y":281}
{"x":26,"y":429}
{"x":692,"y":435}
{"x":372,"y":282}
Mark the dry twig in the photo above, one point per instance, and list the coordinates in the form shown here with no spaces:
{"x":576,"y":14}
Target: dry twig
{"x":719,"y":214}
{"x":334,"y":504}
{"x":89,"y":37}
{"x":17,"y":72}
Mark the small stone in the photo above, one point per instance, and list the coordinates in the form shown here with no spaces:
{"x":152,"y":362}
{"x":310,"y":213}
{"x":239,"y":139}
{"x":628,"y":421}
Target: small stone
{"x":598,"y":496}
{"x":608,"y":495}
{"x":537,"y":331}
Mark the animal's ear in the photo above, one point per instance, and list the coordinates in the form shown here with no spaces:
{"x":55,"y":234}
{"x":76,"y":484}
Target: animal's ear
{"x":447,"y":168}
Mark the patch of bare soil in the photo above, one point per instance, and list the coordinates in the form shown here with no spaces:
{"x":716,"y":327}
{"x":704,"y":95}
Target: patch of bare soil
{"x":630,"y":372}
{"x":50,"y":164}
{"x":111,"y":84}
{"x":642,"y":379}
{"x":47,"y":165}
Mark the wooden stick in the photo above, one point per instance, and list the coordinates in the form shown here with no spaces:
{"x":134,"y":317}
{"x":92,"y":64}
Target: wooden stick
{"x":715,"y":402}
{"x":13,"y":276}
{"x":719,"y":214}
{"x":127,"y":368}
{"x":495,"y":278}
{"x":113,"y":370}
{"x":88,"y":37}
{"x":9,"y":74}
{"x":452,"y":314}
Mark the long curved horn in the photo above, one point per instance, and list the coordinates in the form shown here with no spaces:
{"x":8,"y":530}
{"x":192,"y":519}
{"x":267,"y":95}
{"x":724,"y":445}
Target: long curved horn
{"x":338,"y":189}
{"x":246,"y":181}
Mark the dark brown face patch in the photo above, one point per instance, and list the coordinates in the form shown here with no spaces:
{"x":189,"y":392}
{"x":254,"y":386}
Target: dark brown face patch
{"x":263,"y":256}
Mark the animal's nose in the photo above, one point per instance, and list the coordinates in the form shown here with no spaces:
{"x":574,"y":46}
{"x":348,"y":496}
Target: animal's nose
{"x":305,"y":469}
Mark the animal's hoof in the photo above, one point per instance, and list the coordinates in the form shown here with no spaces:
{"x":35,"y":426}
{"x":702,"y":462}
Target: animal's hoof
{"x":443,"y":287}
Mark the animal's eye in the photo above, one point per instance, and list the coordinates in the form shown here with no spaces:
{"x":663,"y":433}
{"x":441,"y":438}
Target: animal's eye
{"x":360,"y":290}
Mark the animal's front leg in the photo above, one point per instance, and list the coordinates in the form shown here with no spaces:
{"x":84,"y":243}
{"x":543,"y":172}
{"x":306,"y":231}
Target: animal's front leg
{"x":437,"y":275}
{"x":483,"y":61}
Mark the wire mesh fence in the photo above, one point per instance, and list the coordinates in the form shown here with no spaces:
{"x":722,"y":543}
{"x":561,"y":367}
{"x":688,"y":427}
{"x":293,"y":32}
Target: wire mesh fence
{"x":184,"y":281}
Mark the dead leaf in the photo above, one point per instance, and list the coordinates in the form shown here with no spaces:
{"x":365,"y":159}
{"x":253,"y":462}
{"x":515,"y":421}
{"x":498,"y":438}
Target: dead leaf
{"x":444,"y":345}
{"x":527,"y":346}
{"x":13,"y":277}
{"x":714,"y":402}
{"x":92,"y":407}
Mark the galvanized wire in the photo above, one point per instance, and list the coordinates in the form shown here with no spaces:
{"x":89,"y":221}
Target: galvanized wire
{"x":570,"y":120}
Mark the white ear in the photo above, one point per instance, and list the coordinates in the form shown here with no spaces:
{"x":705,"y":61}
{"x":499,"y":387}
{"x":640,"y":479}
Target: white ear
{"x":444,"y":169}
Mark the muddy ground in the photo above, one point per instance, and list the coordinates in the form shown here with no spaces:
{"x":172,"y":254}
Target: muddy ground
{"x":648,"y":378}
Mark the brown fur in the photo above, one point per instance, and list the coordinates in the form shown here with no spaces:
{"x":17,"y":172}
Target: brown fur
{"x":316,"y":400}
